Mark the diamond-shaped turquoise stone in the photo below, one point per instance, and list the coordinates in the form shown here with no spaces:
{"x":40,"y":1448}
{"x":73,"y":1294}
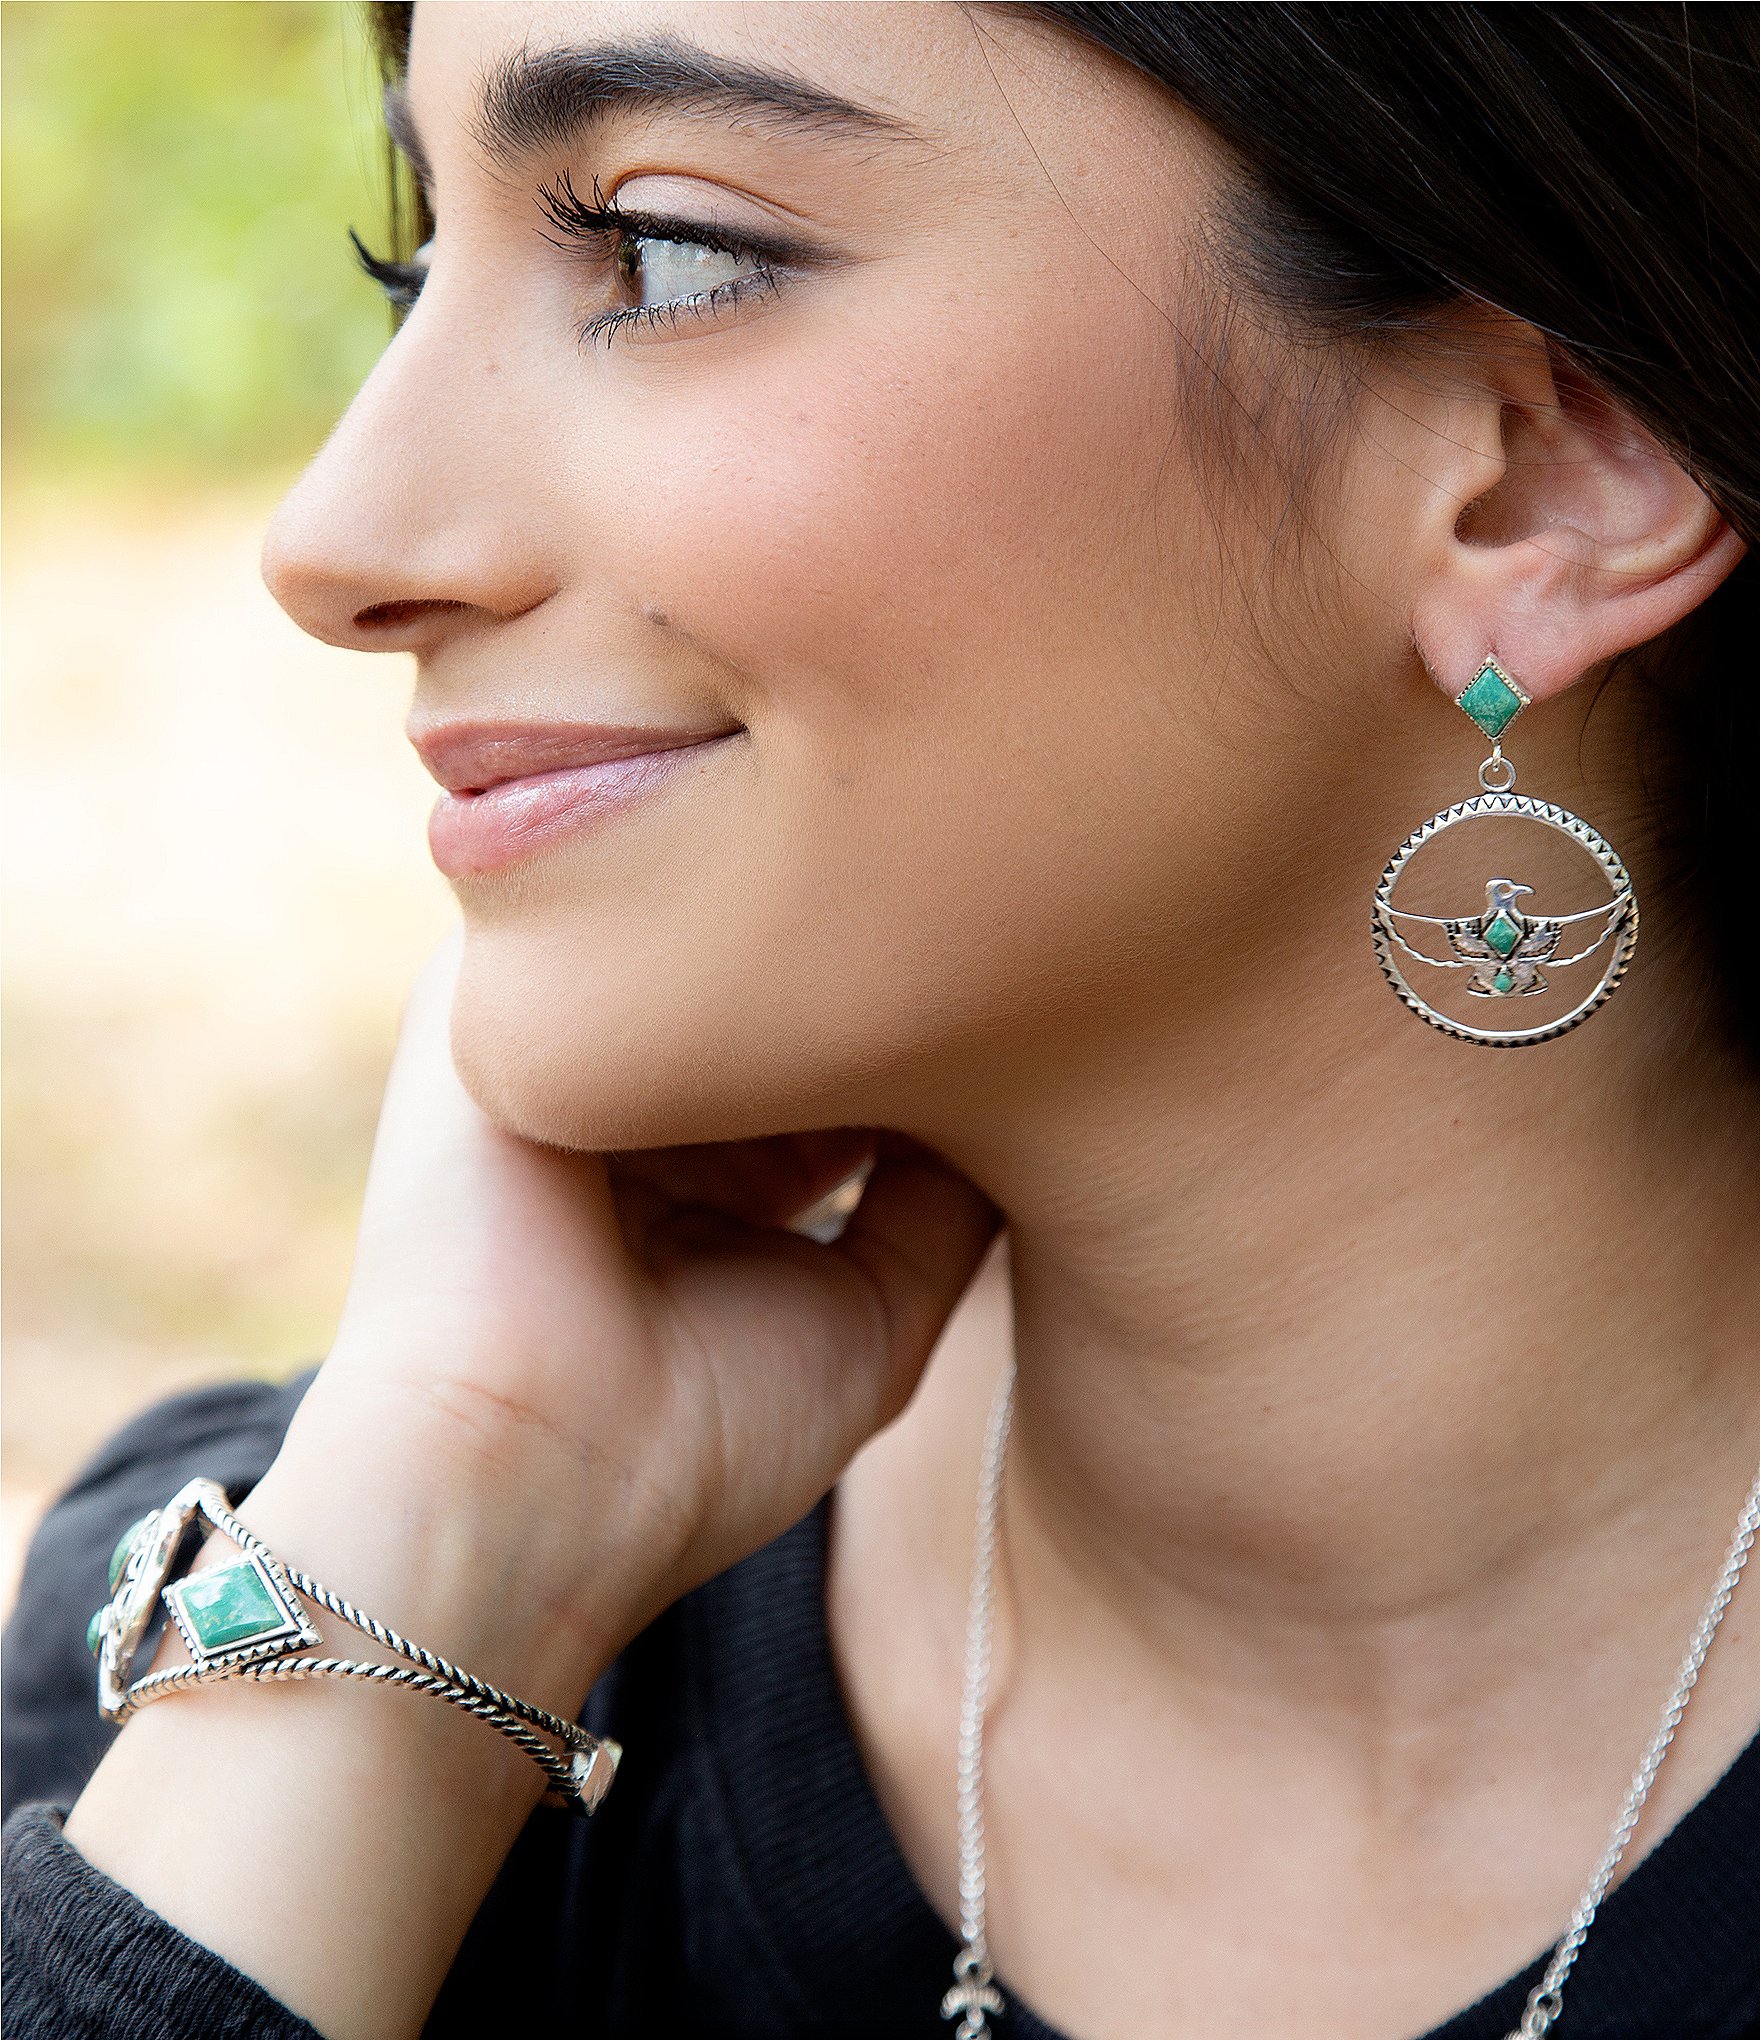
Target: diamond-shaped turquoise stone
{"x":119,"y":1557}
{"x":230,"y":1604}
{"x":1503,"y":982}
{"x":95,"y":1633}
{"x":1503,"y":934}
{"x":1491,"y":701}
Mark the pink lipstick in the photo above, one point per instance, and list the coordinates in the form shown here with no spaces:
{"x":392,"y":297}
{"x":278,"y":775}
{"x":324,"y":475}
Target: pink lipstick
{"x":510,"y":788}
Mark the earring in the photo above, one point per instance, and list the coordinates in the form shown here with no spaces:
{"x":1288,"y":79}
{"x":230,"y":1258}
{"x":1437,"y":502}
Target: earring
{"x":1504,"y":951}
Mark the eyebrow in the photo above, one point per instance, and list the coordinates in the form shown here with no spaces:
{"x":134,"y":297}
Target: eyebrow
{"x":545,"y":99}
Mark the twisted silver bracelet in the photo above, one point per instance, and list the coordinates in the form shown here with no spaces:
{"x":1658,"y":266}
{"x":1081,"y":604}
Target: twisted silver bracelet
{"x":242,"y":1620}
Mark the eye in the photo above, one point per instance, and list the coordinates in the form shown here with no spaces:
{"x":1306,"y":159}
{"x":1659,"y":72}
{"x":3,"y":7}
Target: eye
{"x":678,"y":269}
{"x":678,"y":278}
{"x":663,"y":272}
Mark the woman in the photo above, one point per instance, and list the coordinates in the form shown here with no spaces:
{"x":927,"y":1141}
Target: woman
{"x":935,"y":541}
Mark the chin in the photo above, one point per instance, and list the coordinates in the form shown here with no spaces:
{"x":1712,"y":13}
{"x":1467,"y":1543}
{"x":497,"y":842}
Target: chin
{"x":574,"y":1058}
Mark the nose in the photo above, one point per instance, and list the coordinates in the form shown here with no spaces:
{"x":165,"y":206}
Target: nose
{"x":417,"y":520}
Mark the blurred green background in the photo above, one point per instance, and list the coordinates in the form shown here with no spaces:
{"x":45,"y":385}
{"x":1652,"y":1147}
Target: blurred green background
{"x":216,"y":884}
{"x":180,"y":297}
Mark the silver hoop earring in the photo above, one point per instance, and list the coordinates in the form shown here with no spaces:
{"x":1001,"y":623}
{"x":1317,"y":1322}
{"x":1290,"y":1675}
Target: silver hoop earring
{"x":1505,"y":951}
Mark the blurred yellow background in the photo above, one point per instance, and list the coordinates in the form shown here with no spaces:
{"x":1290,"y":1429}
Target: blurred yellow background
{"x":216,"y":885}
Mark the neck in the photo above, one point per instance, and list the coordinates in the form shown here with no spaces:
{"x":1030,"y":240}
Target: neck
{"x":1375,"y":1348}
{"x":1384,"y":1405}
{"x":1361,"y":1350}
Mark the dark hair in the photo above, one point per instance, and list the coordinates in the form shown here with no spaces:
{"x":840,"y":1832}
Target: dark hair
{"x":1591,"y":169}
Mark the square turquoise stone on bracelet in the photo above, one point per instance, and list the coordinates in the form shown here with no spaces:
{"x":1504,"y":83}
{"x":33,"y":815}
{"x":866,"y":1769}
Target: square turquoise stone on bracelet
{"x":231,"y":1605}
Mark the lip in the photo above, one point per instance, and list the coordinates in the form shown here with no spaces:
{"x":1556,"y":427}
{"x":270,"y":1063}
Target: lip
{"x":510,"y":788}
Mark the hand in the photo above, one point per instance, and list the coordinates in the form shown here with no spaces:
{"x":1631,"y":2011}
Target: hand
{"x":623,"y":1367}
{"x":565,"y":1389}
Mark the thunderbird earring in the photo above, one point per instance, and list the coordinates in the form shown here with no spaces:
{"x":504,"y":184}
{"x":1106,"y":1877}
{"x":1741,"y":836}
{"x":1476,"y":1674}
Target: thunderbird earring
{"x":1505,"y":952}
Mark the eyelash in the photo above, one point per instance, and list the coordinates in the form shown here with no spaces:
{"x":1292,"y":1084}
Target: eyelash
{"x":400,"y":281}
{"x":578,"y":222}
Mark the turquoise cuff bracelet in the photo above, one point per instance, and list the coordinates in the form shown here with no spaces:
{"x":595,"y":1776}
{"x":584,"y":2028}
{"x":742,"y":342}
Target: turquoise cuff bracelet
{"x":244,"y":1620}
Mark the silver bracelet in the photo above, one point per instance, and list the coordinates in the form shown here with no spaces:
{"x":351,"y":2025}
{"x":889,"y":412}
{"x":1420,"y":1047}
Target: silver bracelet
{"x":242,"y":1620}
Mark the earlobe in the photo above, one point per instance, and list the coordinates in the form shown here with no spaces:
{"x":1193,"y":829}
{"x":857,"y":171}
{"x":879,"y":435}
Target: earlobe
{"x":1591,"y":540}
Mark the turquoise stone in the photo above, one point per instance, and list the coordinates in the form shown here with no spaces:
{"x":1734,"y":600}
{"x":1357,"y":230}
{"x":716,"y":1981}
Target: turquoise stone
{"x":1503,"y":982}
{"x":119,"y":1557}
{"x":95,"y":1633}
{"x":230,"y":1604}
{"x":1503,"y":934}
{"x":1491,"y":701}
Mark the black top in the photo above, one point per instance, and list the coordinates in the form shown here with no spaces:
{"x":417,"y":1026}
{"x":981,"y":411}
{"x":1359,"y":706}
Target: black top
{"x":738,"y":1881}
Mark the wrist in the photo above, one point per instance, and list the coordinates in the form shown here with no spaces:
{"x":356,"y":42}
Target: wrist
{"x":484,"y":1576}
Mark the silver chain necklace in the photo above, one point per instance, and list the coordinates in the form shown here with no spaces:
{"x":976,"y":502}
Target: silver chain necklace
{"x":974,"y":1994}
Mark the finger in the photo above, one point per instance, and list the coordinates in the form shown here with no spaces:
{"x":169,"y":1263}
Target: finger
{"x":765,"y":1181}
{"x":917,"y":1237}
{"x":425,"y":1107}
{"x":441,"y":1168}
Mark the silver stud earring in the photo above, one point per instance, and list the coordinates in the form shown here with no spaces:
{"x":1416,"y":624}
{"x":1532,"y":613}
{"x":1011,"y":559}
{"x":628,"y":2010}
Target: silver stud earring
{"x":1506,"y":949}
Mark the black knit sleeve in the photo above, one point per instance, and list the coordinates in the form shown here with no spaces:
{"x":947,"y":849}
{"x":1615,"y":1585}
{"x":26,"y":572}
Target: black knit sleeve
{"x":84,"y":1958}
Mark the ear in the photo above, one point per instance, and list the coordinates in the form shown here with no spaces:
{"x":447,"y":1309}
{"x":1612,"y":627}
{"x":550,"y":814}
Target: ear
{"x":1581,"y":535}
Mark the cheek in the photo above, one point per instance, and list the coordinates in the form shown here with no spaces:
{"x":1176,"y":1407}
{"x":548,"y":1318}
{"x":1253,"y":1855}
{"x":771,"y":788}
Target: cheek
{"x":934,"y":554}
{"x":874,"y":508}
{"x":929,"y":563}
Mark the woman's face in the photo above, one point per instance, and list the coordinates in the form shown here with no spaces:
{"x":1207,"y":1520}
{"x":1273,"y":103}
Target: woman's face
{"x":912,"y":527}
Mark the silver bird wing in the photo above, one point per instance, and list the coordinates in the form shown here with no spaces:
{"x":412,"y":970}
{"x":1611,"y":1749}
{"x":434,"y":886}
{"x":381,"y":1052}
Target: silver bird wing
{"x":1539,"y":940}
{"x":1467,"y":943}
